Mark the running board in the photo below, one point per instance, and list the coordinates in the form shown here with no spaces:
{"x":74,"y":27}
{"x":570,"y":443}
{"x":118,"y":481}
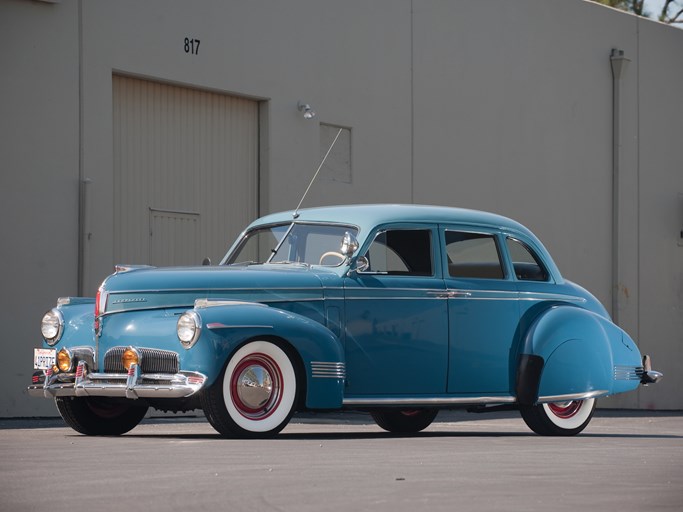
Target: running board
{"x":508,"y":402}
{"x":426,"y":402}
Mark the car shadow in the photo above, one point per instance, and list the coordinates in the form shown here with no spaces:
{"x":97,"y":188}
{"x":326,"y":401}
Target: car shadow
{"x":349,"y":436}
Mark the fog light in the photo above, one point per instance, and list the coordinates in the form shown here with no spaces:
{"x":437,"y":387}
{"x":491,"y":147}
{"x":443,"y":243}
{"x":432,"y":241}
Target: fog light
{"x":130,"y":357}
{"x":64,"y":361}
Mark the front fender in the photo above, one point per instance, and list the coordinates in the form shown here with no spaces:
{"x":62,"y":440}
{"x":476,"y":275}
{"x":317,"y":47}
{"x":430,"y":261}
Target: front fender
{"x":79,"y":316}
{"x":226,"y":327}
{"x":572,"y":351}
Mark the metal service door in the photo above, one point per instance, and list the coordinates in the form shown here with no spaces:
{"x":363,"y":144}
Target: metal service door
{"x":189,"y":155}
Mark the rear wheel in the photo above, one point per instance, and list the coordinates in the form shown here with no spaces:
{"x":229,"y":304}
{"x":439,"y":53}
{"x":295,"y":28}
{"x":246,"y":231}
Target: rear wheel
{"x":99,"y":416}
{"x":407,"y":421}
{"x":559,"y":418}
{"x":255,"y":395}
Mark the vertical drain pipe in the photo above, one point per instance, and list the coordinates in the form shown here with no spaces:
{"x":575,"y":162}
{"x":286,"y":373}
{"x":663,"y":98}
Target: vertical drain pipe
{"x":618,"y":64}
{"x":82,"y":182}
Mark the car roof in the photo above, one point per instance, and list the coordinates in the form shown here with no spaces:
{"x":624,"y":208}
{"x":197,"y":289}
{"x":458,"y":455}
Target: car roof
{"x":366,"y":216}
{"x":369,"y":216}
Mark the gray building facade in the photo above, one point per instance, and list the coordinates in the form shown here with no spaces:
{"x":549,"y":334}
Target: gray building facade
{"x":127,"y":126}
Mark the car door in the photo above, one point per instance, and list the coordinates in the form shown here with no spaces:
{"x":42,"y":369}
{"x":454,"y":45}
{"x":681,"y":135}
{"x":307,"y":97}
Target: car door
{"x":396,"y":324}
{"x":483,"y":312}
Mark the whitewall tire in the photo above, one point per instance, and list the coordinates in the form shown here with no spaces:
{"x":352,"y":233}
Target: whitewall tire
{"x":559,"y":418}
{"x":256,"y":394}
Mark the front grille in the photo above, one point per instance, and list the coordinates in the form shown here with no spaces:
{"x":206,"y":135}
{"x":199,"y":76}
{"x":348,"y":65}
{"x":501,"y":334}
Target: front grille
{"x":153,"y":360}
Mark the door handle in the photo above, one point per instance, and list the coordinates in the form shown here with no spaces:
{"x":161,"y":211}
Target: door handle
{"x":441,"y":294}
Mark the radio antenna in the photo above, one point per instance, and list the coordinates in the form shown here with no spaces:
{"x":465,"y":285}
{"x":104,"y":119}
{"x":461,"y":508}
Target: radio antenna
{"x":296,"y":211}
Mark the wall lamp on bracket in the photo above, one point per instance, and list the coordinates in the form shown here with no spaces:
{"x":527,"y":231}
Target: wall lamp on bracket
{"x":309,"y":113}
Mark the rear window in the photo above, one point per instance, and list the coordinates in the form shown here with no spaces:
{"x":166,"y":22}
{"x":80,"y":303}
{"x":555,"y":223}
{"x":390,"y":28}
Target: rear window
{"x":527,"y":265}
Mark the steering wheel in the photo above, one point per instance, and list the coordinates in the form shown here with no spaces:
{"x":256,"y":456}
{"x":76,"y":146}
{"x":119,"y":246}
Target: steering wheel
{"x":331,"y":253}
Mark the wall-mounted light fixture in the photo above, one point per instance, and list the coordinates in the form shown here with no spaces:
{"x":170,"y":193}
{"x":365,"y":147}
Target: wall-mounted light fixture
{"x":309,"y":113}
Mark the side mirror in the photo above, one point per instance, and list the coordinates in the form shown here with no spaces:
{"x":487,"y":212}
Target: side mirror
{"x":349,"y":244}
{"x":362,"y":264}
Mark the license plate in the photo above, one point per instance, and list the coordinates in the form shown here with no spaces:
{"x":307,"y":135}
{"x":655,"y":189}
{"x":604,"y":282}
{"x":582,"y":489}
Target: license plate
{"x":43,"y":358}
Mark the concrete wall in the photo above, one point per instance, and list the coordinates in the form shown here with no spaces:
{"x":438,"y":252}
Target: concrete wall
{"x":502,"y":106}
{"x":660,"y":208}
{"x":39,"y":154}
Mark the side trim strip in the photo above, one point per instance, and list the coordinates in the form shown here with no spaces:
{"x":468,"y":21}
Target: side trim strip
{"x":573,"y":396}
{"x":550,"y":296}
{"x":219,"y":325}
{"x":622,"y":372}
{"x":328,"y":370}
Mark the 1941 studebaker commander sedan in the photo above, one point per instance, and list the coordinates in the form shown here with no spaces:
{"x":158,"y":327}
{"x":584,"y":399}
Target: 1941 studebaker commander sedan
{"x":393,"y":309}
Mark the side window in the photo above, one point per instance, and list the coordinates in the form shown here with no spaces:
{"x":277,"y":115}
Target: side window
{"x":473,"y":255}
{"x":401,"y":252}
{"x":526,"y":264}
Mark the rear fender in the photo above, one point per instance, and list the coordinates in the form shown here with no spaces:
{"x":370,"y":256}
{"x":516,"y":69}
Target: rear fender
{"x":572,"y":351}
{"x":227,"y":327}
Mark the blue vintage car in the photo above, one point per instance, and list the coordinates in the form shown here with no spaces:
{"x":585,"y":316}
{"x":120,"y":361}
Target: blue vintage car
{"x":398,"y":310}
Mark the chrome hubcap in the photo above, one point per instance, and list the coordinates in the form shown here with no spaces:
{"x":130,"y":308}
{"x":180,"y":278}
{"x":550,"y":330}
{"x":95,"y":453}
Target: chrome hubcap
{"x":254,"y":387}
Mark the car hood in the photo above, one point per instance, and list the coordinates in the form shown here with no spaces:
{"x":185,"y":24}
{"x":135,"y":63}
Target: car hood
{"x":147,"y":288}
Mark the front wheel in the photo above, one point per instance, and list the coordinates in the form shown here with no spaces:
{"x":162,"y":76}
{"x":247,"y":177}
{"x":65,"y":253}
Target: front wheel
{"x":404,"y":421}
{"x":99,"y":416}
{"x":255,"y":395}
{"x":559,"y":418}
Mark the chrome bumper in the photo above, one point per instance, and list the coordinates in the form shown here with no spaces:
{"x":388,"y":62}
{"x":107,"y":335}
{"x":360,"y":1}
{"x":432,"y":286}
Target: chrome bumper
{"x":133,"y":385}
{"x":649,"y":375}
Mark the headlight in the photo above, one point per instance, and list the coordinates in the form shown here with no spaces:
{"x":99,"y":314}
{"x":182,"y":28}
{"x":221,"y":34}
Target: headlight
{"x":189,"y":327}
{"x":64,"y":361}
{"x":52,"y":326}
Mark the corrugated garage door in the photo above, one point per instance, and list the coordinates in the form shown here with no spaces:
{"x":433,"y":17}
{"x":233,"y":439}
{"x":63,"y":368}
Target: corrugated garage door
{"x":185,"y":172}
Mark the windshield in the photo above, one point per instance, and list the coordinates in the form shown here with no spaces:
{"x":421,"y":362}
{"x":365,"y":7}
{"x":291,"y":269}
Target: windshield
{"x":313,"y":244}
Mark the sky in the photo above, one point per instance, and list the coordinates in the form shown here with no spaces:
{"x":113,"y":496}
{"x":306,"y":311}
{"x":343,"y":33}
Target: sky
{"x":654,"y":7}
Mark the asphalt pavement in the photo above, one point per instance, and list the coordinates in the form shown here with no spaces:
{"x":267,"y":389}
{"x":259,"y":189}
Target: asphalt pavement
{"x":624,"y":461}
